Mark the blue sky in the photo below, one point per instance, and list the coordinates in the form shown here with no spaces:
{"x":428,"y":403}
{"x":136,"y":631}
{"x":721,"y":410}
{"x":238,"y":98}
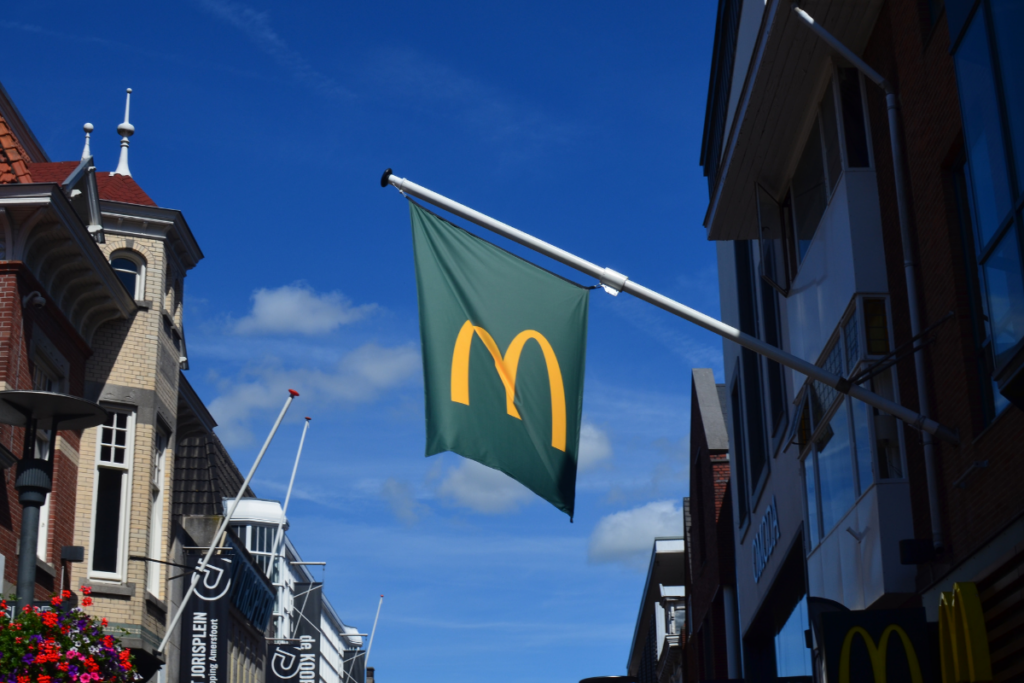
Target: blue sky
{"x":269,"y":128}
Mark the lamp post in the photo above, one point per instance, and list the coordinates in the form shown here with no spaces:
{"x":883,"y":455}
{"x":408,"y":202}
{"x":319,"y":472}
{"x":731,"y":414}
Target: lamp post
{"x":33,"y":410}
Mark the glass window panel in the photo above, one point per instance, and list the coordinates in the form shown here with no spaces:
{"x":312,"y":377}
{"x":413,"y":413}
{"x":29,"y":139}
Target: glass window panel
{"x":887,"y":441}
{"x":835,"y":470}
{"x":808,"y":191}
{"x":854,"y":130}
{"x":108,"y":519}
{"x":981,"y":130}
{"x":792,"y":657}
{"x":122,"y":420}
{"x":105,"y":453}
{"x":830,"y":132}
{"x":862,"y":443}
{"x":1005,"y":291}
{"x":810,"y":488}
{"x":119,"y":455}
{"x":119,"y":438}
{"x":124,"y":264}
{"x":738,"y":451}
{"x":876,"y":326}
{"x":1008,"y":16}
{"x":852,"y":343}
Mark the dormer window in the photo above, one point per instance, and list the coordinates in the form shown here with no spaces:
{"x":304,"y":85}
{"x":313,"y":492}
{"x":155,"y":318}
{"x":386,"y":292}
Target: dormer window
{"x":131,"y":272}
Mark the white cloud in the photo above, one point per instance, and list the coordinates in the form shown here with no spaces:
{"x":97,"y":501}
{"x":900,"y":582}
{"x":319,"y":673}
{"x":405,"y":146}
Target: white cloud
{"x":595,"y":447}
{"x":402,"y":500}
{"x":360,"y":377}
{"x":256,"y":26}
{"x":483,"y":489}
{"x":295,"y":309}
{"x":628,"y":536}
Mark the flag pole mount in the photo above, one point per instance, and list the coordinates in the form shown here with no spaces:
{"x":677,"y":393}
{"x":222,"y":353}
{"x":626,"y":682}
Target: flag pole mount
{"x":612,"y":280}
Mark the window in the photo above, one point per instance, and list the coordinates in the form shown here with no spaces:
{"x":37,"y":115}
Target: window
{"x":259,"y":541}
{"x":990,"y":76}
{"x":750,"y":365}
{"x":156,"y":512}
{"x":792,"y":657}
{"x":847,"y":445}
{"x":111,"y":494}
{"x":738,"y":452}
{"x":840,"y":117}
{"x":131,"y":271}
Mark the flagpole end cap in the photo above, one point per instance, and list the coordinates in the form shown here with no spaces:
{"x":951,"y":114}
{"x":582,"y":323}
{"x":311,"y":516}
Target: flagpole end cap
{"x":293,"y":393}
{"x":308,"y":418}
{"x":385,"y":178}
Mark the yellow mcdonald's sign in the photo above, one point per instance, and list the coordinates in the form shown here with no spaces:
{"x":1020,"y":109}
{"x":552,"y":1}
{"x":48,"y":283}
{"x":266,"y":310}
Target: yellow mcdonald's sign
{"x":877,"y":654}
{"x":963,"y":638}
{"x":507,"y":366}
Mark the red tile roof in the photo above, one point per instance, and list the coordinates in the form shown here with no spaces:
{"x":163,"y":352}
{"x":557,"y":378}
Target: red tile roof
{"x":13,"y":159}
{"x":116,"y":188}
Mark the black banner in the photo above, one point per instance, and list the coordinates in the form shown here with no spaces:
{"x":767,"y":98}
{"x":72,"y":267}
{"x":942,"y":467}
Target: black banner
{"x":204,"y":623}
{"x":297,"y":658}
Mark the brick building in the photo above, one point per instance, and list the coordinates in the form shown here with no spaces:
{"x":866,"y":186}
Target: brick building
{"x":833,"y":500}
{"x":712,"y":649}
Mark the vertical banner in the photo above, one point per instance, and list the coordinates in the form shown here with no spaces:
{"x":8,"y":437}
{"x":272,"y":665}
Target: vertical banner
{"x":297,"y":658}
{"x":204,"y":623}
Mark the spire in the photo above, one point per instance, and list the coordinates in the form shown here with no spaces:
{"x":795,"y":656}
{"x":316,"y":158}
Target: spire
{"x":86,"y":153}
{"x":126,"y":130}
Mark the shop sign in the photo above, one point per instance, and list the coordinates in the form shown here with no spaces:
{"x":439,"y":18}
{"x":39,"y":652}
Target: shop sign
{"x":296,"y":659}
{"x":765,"y":539}
{"x":204,"y":636}
{"x":877,"y":646}
{"x":963,"y":637}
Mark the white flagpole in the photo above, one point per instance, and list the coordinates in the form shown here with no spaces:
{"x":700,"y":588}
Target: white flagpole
{"x":369,"y":646}
{"x":279,"y":534}
{"x":215,"y":543}
{"x":614,"y":282}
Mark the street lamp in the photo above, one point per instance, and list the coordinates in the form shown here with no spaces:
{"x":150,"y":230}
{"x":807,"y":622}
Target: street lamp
{"x":32,"y":410}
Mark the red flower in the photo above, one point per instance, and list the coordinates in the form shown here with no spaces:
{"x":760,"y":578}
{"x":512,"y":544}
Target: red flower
{"x":50,"y":619}
{"x":86,"y":590}
{"x":86,"y":602}
{"x":55,"y":601}
{"x":104,"y":622}
{"x":44,"y":679}
{"x":65,"y":594}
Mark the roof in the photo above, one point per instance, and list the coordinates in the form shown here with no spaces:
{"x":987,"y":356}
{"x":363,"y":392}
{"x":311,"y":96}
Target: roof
{"x":711,"y":410}
{"x":666,"y":568}
{"x":116,"y":188}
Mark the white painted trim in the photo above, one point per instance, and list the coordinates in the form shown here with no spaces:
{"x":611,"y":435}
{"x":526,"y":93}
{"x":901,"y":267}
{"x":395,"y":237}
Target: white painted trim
{"x":126,"y":497}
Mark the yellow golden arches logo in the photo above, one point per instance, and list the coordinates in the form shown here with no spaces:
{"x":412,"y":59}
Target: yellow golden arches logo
{"x":877,"y":654}
{"x":963,"y":638}
{"x":507,"y":367}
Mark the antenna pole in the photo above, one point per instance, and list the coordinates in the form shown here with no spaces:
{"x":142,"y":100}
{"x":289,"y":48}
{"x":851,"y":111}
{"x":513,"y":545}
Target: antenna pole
{"x":217,"y":540}
{"x":276,"y":562}
{"x":369,"y":646}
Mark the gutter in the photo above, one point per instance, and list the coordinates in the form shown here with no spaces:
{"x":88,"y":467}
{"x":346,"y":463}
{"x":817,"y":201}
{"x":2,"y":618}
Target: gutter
{"x":909,"y":263}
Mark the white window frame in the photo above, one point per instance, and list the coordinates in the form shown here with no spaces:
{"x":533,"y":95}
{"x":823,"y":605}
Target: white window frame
{"x":156,"y":512}
{"x":140,"y":277}
{"x":126,"y":497}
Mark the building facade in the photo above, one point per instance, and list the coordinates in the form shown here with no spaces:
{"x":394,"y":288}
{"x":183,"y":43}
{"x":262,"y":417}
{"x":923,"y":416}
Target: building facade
{"x":833,"y":250}
{"x":712,"y":649}
{"x":655,"y":654}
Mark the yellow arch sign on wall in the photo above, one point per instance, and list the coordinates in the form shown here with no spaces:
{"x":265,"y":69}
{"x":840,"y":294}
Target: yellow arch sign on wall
{"x":877,"y":654}
{"x":507,"y":366}
{"x":963,"y":638}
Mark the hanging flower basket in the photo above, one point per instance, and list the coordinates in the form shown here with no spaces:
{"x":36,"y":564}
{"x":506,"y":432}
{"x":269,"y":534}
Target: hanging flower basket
{"x":61,"y":646}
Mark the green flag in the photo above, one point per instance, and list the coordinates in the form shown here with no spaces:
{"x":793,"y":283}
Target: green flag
{"x":504,"y":345}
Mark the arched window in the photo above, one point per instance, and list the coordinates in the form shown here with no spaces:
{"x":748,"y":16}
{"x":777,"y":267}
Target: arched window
{"x":131,"y":273}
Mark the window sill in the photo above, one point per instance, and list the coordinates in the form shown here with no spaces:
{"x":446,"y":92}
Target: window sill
{"x":156,"y":602}
{"x":144,"y":304}
{"x":113,"y":589}
{"x":46,"y":567}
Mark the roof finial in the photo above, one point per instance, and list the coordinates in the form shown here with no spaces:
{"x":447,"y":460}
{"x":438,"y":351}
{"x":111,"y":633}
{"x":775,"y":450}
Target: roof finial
{"x":86,"y":152}
{"x":125,"y":129}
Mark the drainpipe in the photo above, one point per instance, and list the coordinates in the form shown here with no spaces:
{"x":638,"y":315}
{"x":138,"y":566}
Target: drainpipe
{"x":892,"y":104}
